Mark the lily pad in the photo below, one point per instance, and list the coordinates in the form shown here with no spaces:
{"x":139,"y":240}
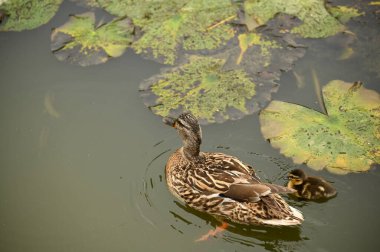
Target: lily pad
{"x":258,"y":58}
{"x":171,"y":26}
{"x":142,"y":12}
{"x":266,"y":52}
{"x":201,"y":87}
{"x":27,"y":14}
{"x":347,"y":139}
{"x":318,"y":22}
{"x":79,"y":41}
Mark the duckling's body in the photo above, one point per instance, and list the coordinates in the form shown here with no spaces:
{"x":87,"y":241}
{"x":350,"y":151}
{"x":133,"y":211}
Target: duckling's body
{"x":222,"y":185}
{"x":310,"y":188}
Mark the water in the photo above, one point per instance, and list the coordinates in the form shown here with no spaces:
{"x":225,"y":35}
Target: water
{"x":82,"y":161}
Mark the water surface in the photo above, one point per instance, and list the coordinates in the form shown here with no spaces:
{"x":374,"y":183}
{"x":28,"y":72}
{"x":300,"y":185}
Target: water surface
{"x":82,"y":161}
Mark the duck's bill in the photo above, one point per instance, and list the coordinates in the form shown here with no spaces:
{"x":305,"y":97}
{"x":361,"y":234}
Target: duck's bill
{"x":169,"y":121}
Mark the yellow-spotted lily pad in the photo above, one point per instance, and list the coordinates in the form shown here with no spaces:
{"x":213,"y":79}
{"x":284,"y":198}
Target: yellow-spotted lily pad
{"x":317,"y":20}
{"x":18,"y":15}
{"x":201,"y":87}
{"x":347,"y":139}
{"x":168,"y":27}
{"x":80,"y":41}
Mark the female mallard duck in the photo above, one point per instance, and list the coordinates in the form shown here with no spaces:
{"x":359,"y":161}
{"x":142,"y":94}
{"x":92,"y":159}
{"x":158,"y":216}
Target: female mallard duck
{"x":222,"y":185}
{"x":311,"y":188}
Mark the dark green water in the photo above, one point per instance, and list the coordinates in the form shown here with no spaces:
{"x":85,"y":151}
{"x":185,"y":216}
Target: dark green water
{"x":88,"y":175}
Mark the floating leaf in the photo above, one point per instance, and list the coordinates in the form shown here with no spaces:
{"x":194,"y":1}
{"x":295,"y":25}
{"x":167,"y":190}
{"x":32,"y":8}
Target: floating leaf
{"x":247,"y":40}
{"x":202,"y":87}
{"x":174,"y":25}
{"x":79,"y":41}
{"x":347,"y":139}
{"x":318,"y":22}
{"x":142,"y":12}
{"x":266,"y":53}
{"x":256,"y":57}
{"x":27,"y":14}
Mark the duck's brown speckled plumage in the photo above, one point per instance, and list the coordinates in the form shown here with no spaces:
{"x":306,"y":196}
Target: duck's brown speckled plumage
{"x":223,"y":186}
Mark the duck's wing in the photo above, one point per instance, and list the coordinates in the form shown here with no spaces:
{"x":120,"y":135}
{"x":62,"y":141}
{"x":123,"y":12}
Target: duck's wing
{"x":229,"y":164}
{"x":231,"y":178}
{"x":253,"y":192}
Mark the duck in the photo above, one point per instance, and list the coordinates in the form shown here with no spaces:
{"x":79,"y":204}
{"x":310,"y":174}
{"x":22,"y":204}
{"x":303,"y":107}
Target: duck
{"x":222,"y":185}
{"x":308,"y":187}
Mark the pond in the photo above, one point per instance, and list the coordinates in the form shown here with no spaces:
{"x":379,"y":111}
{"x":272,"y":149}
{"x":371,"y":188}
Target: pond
{"x":82,"y":159}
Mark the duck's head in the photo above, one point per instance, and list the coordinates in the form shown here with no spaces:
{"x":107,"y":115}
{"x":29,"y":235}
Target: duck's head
{"x":188,"y":128}
{"x":297,"y":176}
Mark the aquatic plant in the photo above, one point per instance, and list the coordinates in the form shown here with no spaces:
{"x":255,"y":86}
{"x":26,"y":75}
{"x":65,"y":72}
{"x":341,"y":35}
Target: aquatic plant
{"x":258,"y":58}
{"x":317,"y":21}
{"x":171,"y":26}
{"x":27,"y":14}
{"x":81,"y":42}
{"x":202,"y":87}
{"x":346,"y":139}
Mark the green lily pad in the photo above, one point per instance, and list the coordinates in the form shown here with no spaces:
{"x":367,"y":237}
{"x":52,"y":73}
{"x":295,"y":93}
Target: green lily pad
{"x":318,"y":22}
{"x":27,"y":14}
{"x":142,"y":12}
{"x":209,"y":87}
{"x":201,"y":87}
{"x":79,"y":41}
{"x":345,"y":140}
{"x":171,"y":26}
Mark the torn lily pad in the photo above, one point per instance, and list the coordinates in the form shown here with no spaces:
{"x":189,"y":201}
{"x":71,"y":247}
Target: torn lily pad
{"x":201,"y":87}
{"x":264,"y":55}
{"x":267,"y":51}
{"x":248,"y":40}
{"x":347,"y":139}
{"x":169,"y":27}
{"x":318,"y":22}
{"x":81,"y":42}
{"x":21,"y":15}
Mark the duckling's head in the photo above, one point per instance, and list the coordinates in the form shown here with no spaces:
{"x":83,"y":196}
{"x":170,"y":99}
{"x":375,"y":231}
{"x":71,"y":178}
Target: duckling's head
{"x":189,"y":130}
{"x":297,"y":176}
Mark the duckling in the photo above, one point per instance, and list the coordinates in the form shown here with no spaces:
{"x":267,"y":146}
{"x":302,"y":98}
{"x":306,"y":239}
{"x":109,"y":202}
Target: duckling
{"x":310,"y":188}
{"x":222,"y":185}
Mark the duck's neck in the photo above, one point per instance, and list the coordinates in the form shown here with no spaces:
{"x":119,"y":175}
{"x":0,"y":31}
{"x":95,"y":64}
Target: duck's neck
{"x":191,"y":150}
